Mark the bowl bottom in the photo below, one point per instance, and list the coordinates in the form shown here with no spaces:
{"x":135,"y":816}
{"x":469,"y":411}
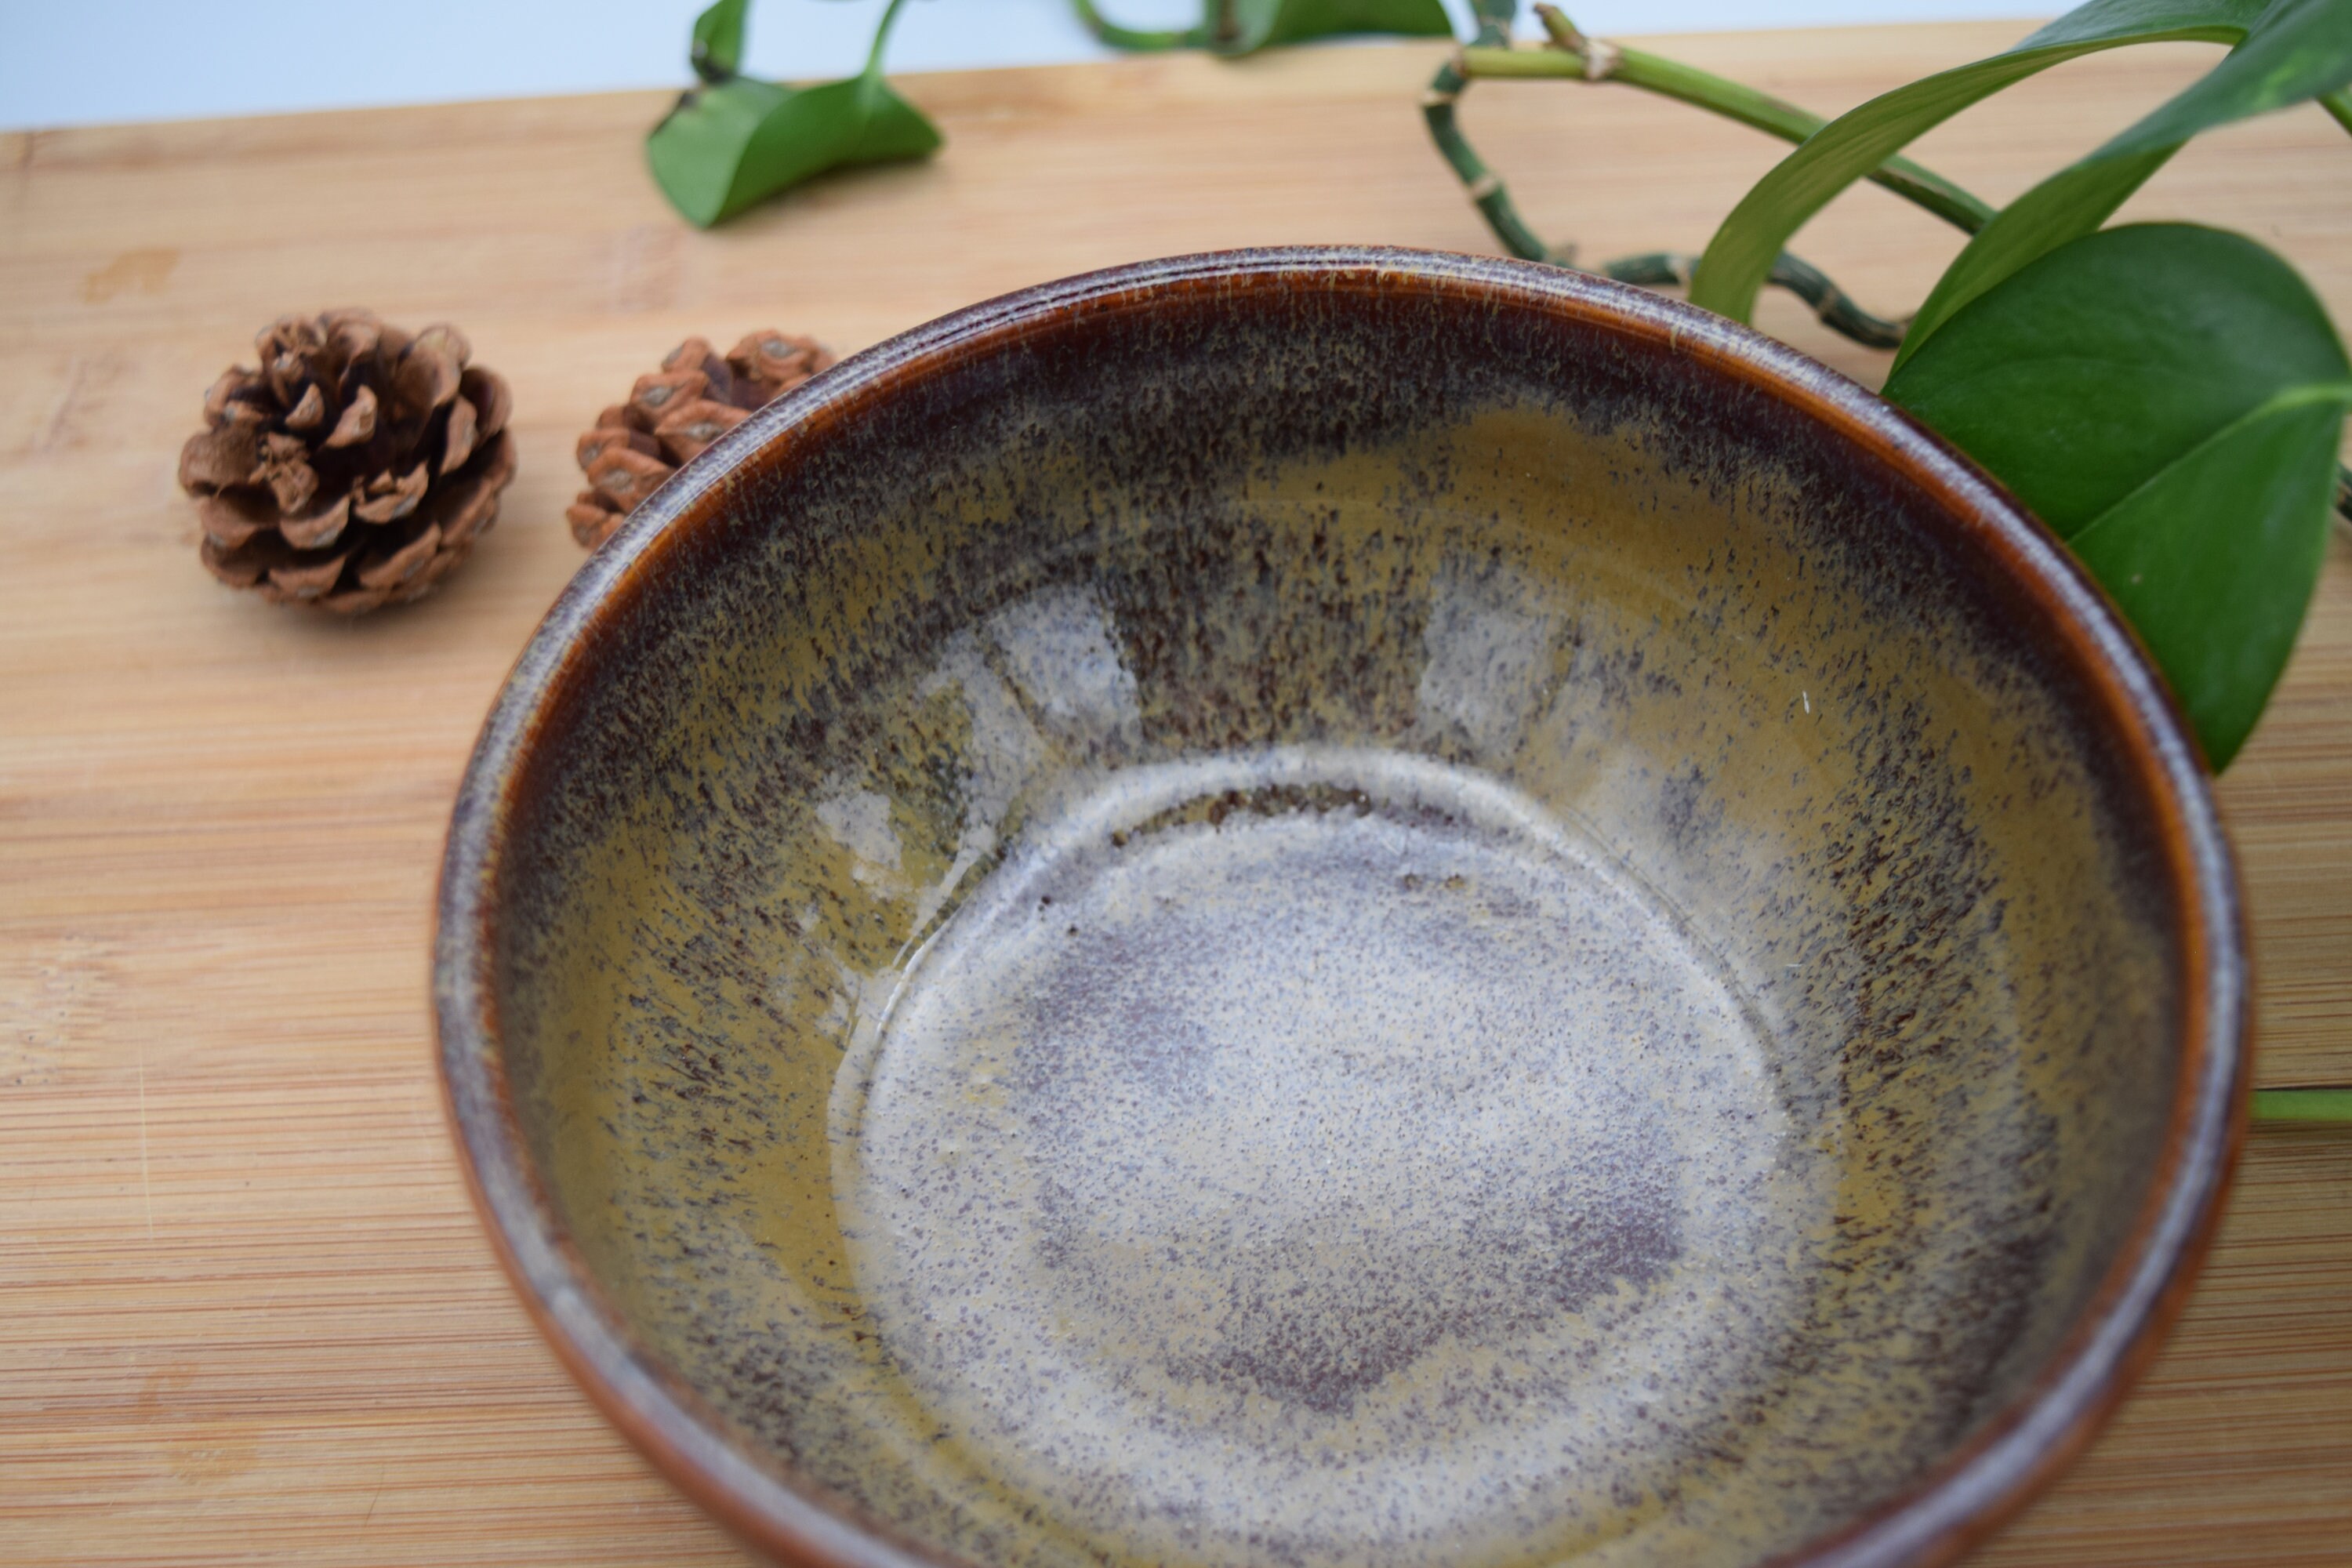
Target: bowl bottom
{"x":1326,"y":1156}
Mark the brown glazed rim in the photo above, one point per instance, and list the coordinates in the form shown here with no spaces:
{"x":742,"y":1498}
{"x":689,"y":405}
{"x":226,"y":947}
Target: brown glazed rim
{"x":1962,"y":1499}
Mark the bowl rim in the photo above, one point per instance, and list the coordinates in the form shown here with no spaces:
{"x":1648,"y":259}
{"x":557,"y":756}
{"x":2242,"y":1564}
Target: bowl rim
{"x":1966,"y":1496}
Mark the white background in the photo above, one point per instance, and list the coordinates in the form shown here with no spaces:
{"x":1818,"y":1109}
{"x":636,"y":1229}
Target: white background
{"x":67,"y":62}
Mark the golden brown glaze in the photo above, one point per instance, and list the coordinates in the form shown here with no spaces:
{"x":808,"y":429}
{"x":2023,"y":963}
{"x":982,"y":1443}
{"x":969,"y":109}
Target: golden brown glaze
{"x":1341,"y":908}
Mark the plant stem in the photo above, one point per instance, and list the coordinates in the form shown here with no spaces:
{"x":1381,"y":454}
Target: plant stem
{"x":2340,"y":105}
{"x":882,"y":36}
{"x":1485,"y":188}
{"x":2302,"y":1105}
{"x":1119,"y":37}
{"x":1757,"y":111}
{"x":1832,"y":305}
{"x":1501,"y":60}
{"x":1575,"y":56}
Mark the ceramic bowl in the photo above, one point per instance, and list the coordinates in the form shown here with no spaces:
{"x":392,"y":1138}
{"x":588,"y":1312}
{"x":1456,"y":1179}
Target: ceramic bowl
{"x":1341,"y":909}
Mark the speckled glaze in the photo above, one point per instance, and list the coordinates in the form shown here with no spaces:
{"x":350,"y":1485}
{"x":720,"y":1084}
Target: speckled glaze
{"x":1341,"y":909}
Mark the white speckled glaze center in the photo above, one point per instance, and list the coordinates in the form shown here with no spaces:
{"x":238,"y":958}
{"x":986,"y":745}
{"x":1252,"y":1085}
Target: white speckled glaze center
{"x":1611,"y":995}
{"x":1323,"y":1155}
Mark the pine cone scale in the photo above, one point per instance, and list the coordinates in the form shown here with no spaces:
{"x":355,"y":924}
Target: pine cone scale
{"x":491,"y":398}
{"x":230,"y":518}
{"x":627,"y":475}
{"x":458,"y":436}
{"x":465,"y":506}
{"x":356,"y":422}
{"x":425,"y":379}
{"x":593,"y":445}
{"x":309,"y":579}
{"x":220,"y":457}
{"x":233,"y":564}
{"x":309,"y":411}
{"x":688,"y":427}
{"x":390,"y":571}
{"x":319,"y":528}
{"x":235,"y":383}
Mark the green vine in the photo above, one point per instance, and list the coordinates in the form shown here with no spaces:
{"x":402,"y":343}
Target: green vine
{"x":1236,"y":28}
{"x":1572,"y":56}
{"x":2166,"y":487}
{"x":2330,"y":1106}
{"x":1149,"y":40}
{"x":2169,"y":399}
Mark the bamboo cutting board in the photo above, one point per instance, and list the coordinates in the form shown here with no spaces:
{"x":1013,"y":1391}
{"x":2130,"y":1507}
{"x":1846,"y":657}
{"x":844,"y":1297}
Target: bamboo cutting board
{"x":245,"y":1314}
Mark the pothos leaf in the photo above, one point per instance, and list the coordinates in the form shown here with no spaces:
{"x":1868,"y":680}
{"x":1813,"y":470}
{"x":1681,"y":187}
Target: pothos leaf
{"x":1236,"y":27}
{"x":718,"y":51}
{"x":735,"y":142}
{"x":2169,"y":399}
{"x":1264,"y":24}
{"x":1849,"y":148}
{"x":2295,"y":50}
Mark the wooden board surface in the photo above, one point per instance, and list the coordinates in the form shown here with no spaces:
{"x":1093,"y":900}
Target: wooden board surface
{"x":245,"y":1314}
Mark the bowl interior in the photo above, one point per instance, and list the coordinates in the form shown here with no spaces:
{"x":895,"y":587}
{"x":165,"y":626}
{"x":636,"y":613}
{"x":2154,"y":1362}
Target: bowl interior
{"x":1335,"y":924}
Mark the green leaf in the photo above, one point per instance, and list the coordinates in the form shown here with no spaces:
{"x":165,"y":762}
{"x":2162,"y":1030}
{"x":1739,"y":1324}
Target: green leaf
{"x":2170,"y":400}
{"x":1267,"y":23}
{"x":1139,"y":38}
{"x":1236,"y":28}
{"x":2297,"y":50}
{"x":2214,"y":560}
{"x":1849,"y":148}
{"x":718,"y":51}
{"x":733,"y":144}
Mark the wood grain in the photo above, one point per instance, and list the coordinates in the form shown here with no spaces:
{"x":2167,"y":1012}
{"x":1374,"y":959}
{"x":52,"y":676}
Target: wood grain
{"x":245,"y":1313}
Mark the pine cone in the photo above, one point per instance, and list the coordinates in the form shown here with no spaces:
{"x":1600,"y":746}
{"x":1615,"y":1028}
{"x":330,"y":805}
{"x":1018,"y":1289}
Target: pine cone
{"x":670,"y":417}
{"x":354,"y":469}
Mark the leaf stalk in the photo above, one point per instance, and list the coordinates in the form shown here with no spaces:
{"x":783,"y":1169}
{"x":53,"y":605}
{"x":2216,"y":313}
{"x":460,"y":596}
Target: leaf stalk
{"x":2302,"y":1105}
{"x":882,"y":38}
{"x":1148,"y":40}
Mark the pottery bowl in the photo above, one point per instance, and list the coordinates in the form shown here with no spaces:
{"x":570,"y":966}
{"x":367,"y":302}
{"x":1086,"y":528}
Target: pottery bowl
{"x":1341,"y":908}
